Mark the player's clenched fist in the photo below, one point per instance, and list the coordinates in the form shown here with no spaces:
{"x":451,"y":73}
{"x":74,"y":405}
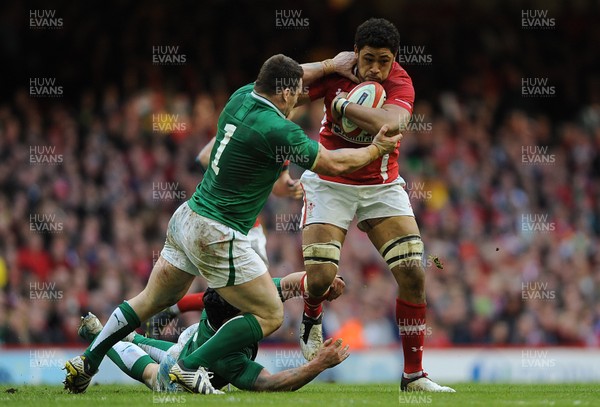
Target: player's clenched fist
{"x":384,"y":143}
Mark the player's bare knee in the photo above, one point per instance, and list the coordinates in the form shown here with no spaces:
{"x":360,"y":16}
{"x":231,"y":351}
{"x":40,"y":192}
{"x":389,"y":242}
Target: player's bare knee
{"x":411,"y":280}
{"x":321,"y":261}
{"x":271,"y":320}
{"x":277,"y":320}
{"x":320,"y":282}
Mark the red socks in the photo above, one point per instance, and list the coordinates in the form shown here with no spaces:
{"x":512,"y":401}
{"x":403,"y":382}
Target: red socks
{"x":312,"y":305}
{"x":411,"y":324}
{"x":191,"y":302}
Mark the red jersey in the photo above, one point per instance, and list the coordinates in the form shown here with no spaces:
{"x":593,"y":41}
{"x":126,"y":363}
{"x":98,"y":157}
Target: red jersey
{"x":399,"y":91}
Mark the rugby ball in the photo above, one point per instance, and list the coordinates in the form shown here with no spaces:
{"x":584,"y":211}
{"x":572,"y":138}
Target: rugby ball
{"x":370,"y":94}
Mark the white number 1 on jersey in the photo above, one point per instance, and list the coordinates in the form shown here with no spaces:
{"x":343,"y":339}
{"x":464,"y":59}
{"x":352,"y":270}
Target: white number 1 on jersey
{"x":229,"y":129}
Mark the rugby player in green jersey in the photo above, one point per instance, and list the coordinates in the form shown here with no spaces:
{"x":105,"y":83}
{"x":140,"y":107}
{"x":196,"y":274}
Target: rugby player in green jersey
{"x":284,"y":187}
{"x":149,"y":360}
{"x":207,"y":235}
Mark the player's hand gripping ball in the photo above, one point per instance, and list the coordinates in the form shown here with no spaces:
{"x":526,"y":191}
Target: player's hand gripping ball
{"x":370,"y":94}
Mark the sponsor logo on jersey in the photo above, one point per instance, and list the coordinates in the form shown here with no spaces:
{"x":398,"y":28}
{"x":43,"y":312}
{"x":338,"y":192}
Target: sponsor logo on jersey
{"x":361,"y":139}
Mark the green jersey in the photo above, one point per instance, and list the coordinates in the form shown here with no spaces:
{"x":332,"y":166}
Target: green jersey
{"x":253,"y":141}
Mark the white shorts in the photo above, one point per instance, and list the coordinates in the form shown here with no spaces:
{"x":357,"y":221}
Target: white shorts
{"x":258,"y":241}
{"x":337,"y":204}
{"x":203,"y":246}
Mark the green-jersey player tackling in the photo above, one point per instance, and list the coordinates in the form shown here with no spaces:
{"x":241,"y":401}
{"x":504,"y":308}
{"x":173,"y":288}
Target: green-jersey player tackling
{"x":207,"y":235}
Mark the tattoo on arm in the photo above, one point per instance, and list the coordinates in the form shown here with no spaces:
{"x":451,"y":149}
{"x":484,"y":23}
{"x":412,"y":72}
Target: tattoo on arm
{"x":287,"y":380}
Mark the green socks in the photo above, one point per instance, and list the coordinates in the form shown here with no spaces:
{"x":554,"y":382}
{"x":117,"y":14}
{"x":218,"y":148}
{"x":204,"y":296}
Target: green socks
{"x":122,"y":321}
{"x":131,"y":359}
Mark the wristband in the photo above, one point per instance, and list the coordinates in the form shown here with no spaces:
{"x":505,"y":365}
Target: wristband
{"x":328,"y":66}
{"x":342,"y":108}
{"x":377,"y":151}
{"x":344,"y":105}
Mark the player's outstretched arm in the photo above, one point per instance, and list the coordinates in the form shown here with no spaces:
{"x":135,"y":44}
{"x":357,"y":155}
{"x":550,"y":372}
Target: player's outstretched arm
{"x":331,"y":354}
{"x":345,"y":160}
{"x":371,"y":119}
{"x":293,"y":285}
{"x":342,"y":64}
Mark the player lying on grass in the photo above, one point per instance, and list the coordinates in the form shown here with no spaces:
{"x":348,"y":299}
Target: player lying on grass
{"x":149,"y":360}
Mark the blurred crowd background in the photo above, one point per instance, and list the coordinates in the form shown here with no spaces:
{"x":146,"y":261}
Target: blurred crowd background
{"x":505,"y":185}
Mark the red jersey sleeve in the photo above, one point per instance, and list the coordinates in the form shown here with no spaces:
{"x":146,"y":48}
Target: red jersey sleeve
{"x":399,"y":89}
{"x":319,"y":87}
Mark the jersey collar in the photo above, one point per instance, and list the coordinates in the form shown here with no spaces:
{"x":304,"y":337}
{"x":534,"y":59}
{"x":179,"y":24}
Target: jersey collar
{"x":266,"y":102}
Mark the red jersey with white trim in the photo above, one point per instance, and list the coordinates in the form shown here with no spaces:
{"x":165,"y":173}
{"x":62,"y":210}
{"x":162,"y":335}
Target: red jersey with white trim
{"x":399,"y":91}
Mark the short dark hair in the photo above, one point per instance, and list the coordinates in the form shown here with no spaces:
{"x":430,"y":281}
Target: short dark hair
{"x":217,"y":309}
{"x":277,"y":73}
{"x":377,"y":33}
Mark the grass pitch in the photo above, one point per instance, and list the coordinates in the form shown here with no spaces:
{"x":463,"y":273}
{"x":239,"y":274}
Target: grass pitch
{"x":320,"y":394}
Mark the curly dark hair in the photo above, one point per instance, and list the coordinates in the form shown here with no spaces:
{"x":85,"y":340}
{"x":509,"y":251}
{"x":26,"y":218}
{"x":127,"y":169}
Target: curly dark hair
{"x":377,"y":33}
{"x":217,"y":309}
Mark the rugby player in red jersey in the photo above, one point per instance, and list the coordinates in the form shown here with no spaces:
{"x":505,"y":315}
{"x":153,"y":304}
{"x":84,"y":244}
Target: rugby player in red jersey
{"x":374,"y":194}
